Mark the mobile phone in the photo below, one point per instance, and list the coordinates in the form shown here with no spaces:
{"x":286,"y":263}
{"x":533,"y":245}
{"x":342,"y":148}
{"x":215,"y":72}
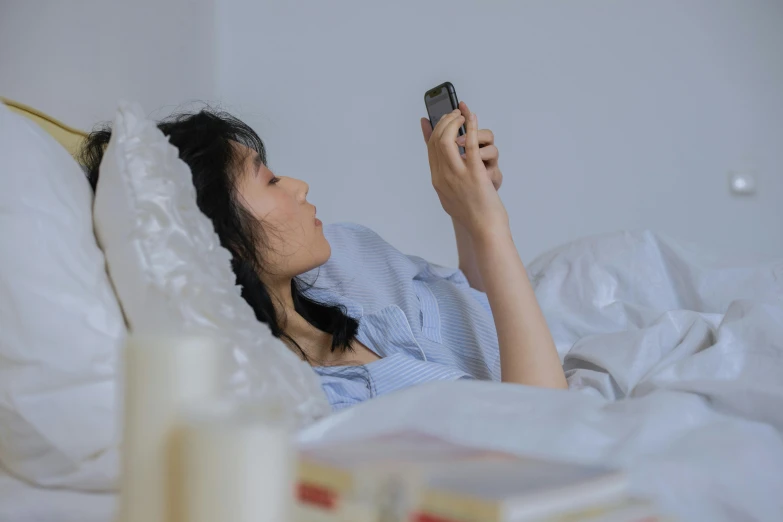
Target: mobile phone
{"x":440,"y":101}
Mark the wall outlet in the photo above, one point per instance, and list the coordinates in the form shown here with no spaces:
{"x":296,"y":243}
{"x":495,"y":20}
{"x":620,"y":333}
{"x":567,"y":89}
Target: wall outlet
{"x":742,"y":182}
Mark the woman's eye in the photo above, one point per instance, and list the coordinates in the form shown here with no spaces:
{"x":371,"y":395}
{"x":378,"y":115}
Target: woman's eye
{"x":274,"y":180}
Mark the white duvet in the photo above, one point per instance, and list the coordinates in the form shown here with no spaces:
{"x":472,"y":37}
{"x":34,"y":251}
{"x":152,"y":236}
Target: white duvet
{"x":675,"y":364}
{"x":675,"y":368}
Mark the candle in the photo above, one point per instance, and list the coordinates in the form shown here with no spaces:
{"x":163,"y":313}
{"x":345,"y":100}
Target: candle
{"x":162,"y":374}
{"x":238,"y":464}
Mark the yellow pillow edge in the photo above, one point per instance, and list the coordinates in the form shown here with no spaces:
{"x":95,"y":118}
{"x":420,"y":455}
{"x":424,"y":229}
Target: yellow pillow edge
{"x":67,"y":136}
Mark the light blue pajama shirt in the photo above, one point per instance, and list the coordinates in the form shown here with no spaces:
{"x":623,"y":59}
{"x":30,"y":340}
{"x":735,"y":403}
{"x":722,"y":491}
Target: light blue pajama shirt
{"x":423,"y":320}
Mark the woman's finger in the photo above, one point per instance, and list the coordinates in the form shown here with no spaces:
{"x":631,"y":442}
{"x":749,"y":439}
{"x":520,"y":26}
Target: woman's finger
{"x":463,"y":109}
{"x":447,"y":142}
{"x":485,"y":137}
{"x":487,"y":156}
{"x":472,"y":154}
{"x":437,"y":132}
{"x":489,"y":153}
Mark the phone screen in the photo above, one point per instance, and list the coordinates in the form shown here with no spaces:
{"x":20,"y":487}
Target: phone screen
{"x":439,"y":106}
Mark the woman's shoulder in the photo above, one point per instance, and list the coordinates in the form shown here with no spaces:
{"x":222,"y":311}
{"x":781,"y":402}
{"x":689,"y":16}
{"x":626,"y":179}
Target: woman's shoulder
{"x":356,"y":247}
{"x":349,"y":234}
{"x":360,"y":259}
{"x":359,"y":248}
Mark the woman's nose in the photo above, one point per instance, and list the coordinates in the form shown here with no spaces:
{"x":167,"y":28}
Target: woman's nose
{"x":304,"y":189}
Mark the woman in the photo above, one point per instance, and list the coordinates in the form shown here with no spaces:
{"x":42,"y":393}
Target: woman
{"x":369,"y":319}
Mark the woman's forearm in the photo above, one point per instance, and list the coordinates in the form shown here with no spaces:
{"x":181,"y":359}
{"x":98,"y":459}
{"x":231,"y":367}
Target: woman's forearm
{"x":467,"y":258}
{"x":527,"y":351}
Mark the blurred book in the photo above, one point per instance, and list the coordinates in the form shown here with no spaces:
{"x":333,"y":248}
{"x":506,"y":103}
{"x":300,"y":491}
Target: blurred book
{"x":630,"y":510}
{"x":409,"y":477}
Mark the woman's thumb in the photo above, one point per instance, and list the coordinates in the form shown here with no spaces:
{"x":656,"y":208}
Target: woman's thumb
{"x":426,"y":129}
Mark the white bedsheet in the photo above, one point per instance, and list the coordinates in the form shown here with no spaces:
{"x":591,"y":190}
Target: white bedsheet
{"x":21,"y":502}
{"x":675,"y":364}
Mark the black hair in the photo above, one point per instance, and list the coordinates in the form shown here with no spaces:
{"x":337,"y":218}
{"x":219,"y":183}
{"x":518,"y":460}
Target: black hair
{"x":206,"y":142}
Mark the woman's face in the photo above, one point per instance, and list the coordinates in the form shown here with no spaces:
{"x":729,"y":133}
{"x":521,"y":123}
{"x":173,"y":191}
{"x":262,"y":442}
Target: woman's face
{"x":295,"y":237}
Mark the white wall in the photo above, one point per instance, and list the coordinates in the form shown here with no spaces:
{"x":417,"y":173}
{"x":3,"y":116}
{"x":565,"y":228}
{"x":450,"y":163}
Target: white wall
{"x":609,"y":115}
{"x":75,"y":59}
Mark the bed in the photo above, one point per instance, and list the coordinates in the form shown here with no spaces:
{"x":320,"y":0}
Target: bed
{"x":674,"y":361}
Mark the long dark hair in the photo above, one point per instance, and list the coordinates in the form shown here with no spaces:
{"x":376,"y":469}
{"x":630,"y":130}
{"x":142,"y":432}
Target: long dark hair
{"x":205,"y":140}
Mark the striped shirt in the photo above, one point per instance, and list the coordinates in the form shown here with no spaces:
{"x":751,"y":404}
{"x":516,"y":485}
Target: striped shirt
{"x":424,"y":321}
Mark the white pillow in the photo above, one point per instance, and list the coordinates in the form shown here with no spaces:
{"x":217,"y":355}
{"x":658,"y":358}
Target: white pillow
{"x":172,"y":275}
{"x":61,"y":327}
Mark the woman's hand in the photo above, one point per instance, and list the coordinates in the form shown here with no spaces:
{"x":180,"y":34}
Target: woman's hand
{"x":487,"y":149}
{"x":463,"y":184}
{"x":489,"y":155}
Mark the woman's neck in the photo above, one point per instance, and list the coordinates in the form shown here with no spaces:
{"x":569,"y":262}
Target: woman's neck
{"x":317,"y":345}
{"x":280,"y":292}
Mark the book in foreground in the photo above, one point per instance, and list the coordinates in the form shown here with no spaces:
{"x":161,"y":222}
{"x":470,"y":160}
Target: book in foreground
{"x":631,"y":510}
{"x":418,"y":478}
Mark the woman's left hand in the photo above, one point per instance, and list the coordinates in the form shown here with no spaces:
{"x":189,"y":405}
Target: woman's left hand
{"x":488,"y":151}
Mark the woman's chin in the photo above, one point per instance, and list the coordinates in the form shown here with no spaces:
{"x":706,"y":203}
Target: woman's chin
{"x":322,"y":251}
{"x":326,"y":251}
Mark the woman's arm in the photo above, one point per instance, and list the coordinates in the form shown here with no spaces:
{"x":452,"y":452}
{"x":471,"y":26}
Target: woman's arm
{"x":527,"y":352}
{"x":467,"y":258}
